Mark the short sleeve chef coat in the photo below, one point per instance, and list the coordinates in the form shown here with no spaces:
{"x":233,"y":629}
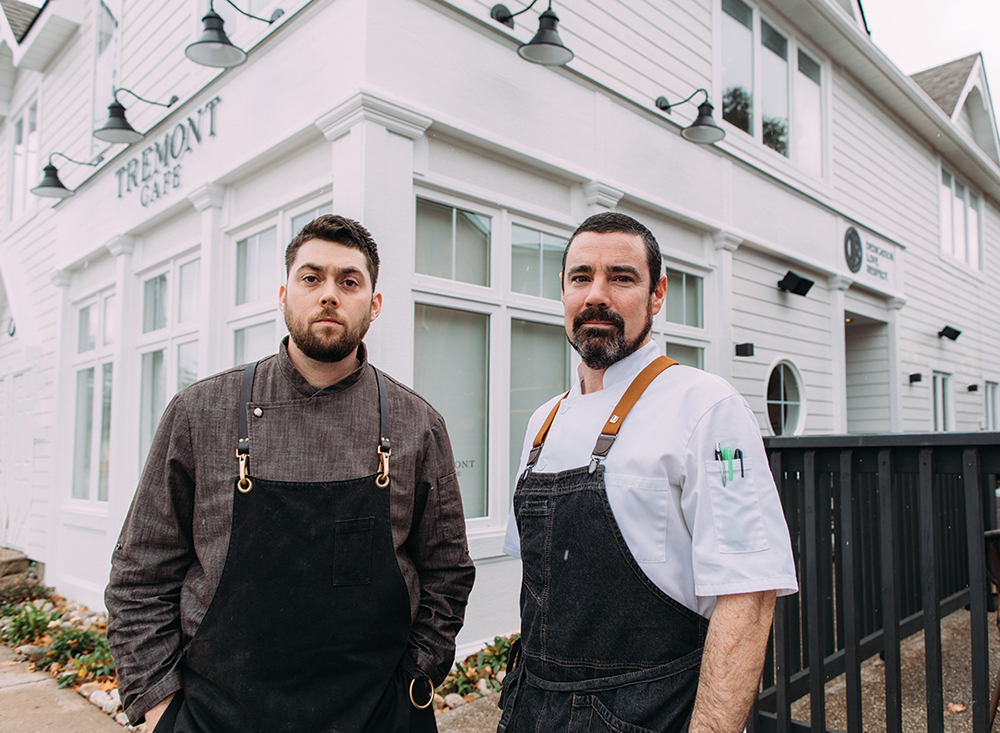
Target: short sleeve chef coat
{"x":695,"y":538}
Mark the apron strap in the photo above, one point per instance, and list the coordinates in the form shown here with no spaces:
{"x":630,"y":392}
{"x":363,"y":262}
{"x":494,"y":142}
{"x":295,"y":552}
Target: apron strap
{"x":243,"y":444}
{"x":610,"y":431}
{"x":614,"y":423}
{"x":384,"y":446}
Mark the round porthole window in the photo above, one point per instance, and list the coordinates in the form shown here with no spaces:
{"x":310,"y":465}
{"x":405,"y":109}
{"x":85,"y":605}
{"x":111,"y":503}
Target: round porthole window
{"x":784,"y":400}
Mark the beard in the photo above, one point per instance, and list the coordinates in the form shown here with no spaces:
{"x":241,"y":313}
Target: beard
{"x":601,"y":346}
{"x":326,"y":349}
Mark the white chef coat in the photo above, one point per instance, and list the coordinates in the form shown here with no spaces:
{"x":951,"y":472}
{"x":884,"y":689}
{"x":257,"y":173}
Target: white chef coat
{"x":692,"y":536}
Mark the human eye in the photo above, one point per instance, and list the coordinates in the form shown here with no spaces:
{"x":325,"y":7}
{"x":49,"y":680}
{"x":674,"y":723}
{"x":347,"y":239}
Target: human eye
{"x":310,"y":278}
{"x":351,"y":282}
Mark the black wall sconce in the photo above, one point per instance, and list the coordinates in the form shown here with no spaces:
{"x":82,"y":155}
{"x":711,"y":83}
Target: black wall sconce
{"x":51,"y":187}
{"x":916,"y":377}
{"x":214,"y":47}
{"x":973,"y":387}
{"x":949,"y":333}
{"x":703,"y":130}
{"x":117,"y":129}
{"x":794,"y":283}
{"x":744,"y":349}
{"x":11,"y":328}
{"x":546,"y":47}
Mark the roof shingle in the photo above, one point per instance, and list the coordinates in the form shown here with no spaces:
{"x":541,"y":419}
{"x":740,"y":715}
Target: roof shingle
{"x":20,"y":16}
{"x":944,"y":83}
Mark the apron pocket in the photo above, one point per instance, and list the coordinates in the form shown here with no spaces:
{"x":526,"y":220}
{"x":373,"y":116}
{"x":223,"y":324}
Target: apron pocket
{"x":591,"y":716}
{"x":352,"y":551}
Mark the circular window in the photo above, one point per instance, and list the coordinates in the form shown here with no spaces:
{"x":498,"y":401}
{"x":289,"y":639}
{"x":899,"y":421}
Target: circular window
{"x":784,"y":402}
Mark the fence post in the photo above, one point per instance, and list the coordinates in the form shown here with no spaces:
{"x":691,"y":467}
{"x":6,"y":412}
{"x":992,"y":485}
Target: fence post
{"x":814,"y":605}
{"x":929,"y":589}
{"x":783,"y":705}
{"x":852,"y":611}
{"x":890,"y":606}
{"x":977,"y":590}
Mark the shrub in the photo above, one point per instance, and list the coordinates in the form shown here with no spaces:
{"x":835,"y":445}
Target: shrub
{"x":28,"y":625}
{"x":20,"y":590}
{"x":483,"y":665}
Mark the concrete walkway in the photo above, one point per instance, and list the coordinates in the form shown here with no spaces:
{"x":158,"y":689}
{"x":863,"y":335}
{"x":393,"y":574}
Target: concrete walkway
{"x":31,"y":702}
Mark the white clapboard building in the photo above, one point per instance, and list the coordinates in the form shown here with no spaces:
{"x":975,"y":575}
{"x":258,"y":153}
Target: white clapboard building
{"x":471,"y":165}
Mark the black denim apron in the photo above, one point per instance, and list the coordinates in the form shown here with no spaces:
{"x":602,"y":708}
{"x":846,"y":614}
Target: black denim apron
{"x":308,"y":628}
{"x":602,"y":647}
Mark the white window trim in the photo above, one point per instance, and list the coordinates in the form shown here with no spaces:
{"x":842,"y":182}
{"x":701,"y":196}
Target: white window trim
{"x":992,"y":404}
{"x":947,"y":394}
{"x":966,"y":266}
{"x":32,"y":178}
{"x":748,"y":146}
{"x":800,"y":422}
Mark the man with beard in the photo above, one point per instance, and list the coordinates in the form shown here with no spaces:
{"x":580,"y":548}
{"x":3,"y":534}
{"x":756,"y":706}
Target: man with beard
{"x":277,"y":571}
{"x":651,"y":535}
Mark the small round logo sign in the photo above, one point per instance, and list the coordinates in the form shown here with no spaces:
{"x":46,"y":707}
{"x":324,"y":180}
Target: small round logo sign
{"x":852,"y":249}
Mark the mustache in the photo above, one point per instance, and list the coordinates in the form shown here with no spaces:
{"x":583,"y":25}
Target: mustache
{"x":326,"y":313}
{"x":597,"y":313}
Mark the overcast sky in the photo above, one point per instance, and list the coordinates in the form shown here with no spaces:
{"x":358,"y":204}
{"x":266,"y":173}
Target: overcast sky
{"x":919,"y":34}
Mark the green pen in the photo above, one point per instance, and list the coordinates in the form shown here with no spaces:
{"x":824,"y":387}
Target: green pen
{"x":727,"y":456}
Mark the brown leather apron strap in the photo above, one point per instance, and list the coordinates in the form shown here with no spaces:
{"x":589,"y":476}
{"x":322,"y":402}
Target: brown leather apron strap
{"x":614,"y":423}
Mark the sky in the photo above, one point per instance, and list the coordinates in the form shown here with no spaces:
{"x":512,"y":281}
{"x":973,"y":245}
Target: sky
{"x":920,"y":34}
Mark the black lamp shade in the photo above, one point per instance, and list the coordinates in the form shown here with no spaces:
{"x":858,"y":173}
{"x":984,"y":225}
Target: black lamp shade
{"x":795,"y":283}
{"x":949,"y":333}
{"x":546,"y":47}
{"x":51,"y":187}
{"x":117,"y":129}
{"x":214,"y":47}
{"x":704,"y":130}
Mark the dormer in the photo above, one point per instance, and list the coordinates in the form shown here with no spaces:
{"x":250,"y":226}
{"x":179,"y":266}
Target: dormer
{"x":35,"y":35}
{"x":854,"y":11}
{"x":959,"y":88}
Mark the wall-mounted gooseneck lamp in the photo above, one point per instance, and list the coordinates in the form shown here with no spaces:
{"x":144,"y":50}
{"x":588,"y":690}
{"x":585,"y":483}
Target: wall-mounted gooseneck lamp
{"x":117,"y":129}
{"x":51,"y":187}
{"x":546,"y":47}
{"x":703,"y":130}
{"x":214,"y":47}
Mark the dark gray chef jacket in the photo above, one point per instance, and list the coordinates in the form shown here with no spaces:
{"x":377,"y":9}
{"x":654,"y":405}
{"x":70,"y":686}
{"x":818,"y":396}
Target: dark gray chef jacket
{"x":169,"y":558}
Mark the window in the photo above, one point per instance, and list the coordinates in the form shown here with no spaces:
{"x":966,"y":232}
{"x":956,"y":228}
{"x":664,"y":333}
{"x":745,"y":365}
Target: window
{"x":683,"y":303}
{"x":453,"y":243}
{"x":258,"y":268}
{"x":771,"y":86}
{"x":300,"y":220}
{"x":168,"y":344}
{"x":784,"y":402}
{"x":992,"y":406}
{"x":961,"y":232}
{"x":487,"y":362}
{"x":25,"y":169}
{"x":942,"y":402}
{"x":679,"y":330}
{"x":93,"y":382}
{"x":256,"y":277}
{"x":105,"y":58}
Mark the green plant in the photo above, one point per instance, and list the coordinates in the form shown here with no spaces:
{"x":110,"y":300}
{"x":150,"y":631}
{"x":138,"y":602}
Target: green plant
{"x":21,"y":590}
{"x":98,"y":663}
{"x":483,"y":665}
{"x":69,"y":643}
{"x":29,"y":625}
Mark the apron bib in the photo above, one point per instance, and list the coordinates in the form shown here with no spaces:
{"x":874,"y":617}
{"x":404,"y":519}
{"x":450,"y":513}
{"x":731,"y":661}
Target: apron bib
{"x":602,"y":648}
{"x":307,"y":631}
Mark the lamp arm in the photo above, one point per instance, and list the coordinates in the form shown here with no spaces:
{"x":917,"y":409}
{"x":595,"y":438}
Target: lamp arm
{"x":173,"y":98}
{"x":662,"y":103}
{"x":97,"y":160}
{"x":503,"y":15}
{"x":274,"y":16}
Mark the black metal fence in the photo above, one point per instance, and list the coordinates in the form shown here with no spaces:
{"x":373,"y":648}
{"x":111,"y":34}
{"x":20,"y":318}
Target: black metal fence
{"x":887,"y":532}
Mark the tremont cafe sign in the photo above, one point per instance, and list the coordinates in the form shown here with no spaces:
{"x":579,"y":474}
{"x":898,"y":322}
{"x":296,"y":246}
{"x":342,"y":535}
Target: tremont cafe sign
{"x":156,"y":171}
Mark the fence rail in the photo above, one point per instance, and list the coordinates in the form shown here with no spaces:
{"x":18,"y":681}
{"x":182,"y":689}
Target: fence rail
{"x":887,"y":532}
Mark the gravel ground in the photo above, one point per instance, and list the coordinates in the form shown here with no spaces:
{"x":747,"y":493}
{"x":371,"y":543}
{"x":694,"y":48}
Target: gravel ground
{"x":482,"y":715}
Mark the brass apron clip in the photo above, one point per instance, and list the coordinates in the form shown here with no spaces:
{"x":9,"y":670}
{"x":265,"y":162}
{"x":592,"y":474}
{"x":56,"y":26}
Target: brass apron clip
{"x":245,"y":483}
{"x":382,"y":480}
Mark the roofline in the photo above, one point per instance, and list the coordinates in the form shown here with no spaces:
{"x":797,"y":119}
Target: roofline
{"x":34,"y":20}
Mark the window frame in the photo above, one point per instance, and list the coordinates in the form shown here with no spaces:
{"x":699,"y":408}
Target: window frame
{"x":991,"y":397}
{"x":946,"y":234}
{"x":99,"y":357}
{"x":942,"y":402}
{"x":667,"y":332}
{"x":752,"y":142}
{"x":101,"y":102}
{"x":32,"y":170}
{"x":800,"y":419}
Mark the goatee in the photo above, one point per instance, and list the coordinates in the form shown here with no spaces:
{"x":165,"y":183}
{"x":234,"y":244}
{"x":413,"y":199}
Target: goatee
{"x":602,"y":346}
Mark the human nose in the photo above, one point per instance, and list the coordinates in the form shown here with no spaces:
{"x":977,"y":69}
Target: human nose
{"x":328,"y":296}
{"x":597,"y":293}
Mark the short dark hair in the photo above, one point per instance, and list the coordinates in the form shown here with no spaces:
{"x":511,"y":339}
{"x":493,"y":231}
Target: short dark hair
{"x":341,"y":230}
{"x":611,"y":222}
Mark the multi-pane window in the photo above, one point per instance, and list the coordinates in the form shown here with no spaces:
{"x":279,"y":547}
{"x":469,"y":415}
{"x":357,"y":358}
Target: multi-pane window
{"x":303,"y":218}
{"x":961,"y":232}
{"x":168,"y":344}
{"x":535,"y":262}
{"x":680,"y":330}
{"x":992,"y":405}
{"x":105,"y":58}
{"x":93,"y":381}
{"x":257,"y":274}
{"x":487,"y":364}
{"x":24,"y":168}
{"x":784,"y":401}
{"x":771,"y":87}
{"x":942,"y":401}
{"x":453,"y":243}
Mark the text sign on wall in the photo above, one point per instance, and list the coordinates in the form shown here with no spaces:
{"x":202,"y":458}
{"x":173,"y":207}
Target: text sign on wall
{"x":156,"y":171}
{"x":871,"y":259}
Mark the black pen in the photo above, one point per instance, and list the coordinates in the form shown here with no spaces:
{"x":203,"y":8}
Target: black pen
{"x":739,"y":454}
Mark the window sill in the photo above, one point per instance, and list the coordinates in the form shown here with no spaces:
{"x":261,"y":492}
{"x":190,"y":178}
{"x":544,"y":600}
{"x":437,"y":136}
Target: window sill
{"x":486,"y":544}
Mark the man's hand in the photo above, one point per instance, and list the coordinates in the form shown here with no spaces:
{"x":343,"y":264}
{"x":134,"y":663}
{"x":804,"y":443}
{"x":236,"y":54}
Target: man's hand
{"x":156,"y":712}
{"x":732,"y":662}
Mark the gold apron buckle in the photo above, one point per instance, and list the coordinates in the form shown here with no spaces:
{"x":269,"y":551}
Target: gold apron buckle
{"x":430,"y":697}
{"x":245,"y":483}
{"x":382,"y":480}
